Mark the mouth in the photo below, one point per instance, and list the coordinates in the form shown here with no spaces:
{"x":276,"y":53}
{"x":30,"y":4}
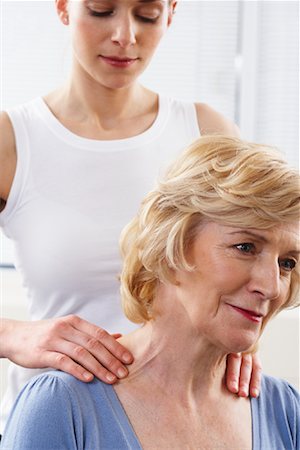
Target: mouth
{"x":253,"y":316}
{"x":117,"y":61}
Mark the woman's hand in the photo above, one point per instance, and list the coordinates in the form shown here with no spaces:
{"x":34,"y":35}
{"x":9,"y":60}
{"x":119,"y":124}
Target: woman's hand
{"x":69,"y":343}
{"x":243,"y":374}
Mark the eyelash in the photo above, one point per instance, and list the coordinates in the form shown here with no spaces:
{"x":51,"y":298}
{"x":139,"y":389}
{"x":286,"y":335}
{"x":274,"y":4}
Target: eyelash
{"x":251,"y":250}
{"x":109,"y":13}
{"x":243,"y":244}
{"x":288,"y":269}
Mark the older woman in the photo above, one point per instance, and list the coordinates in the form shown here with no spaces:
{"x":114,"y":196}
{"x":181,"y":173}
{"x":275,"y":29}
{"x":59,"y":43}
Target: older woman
{"x":209,"y":259}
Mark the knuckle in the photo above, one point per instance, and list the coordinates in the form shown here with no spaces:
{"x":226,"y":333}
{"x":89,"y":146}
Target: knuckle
{"x":258,"y":368}
{"x":257,"y":365}
{"x":72,"y":319}
{"x":247,"y":360}
{"x":92,"y":344}
{"x":247,"y":367}
{"x":101,"y":334}
{"x":59,"y":325}
{"x":79,"y":352}
{"x":60,"y":360}
{"x":111,"y":362}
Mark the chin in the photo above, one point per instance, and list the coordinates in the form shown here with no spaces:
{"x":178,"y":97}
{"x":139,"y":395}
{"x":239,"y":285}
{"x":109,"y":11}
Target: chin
{"x":121,"y":83}
{"x":241,"y":343}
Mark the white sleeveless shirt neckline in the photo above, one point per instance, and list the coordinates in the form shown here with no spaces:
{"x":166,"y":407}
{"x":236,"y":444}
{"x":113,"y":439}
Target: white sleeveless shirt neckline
{"x":104,"y":145}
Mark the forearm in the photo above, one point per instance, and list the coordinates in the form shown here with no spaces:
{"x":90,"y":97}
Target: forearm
{"x":7,"y":330}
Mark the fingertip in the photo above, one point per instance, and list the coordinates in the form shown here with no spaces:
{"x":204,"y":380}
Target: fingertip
{"x":127,"y":358}
{"x":122,"y":372}
{"x":254,"y":393}
{"x":243,"y":393}
{"x":117,"y":335}
{"x":88,"y":376}
{"x":233,"y":387}
{"x":110,"y":378}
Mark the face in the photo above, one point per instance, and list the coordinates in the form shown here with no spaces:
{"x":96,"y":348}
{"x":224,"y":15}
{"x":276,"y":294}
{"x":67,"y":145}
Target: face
{"x":241,"y":278}
{"x":114,"y":40}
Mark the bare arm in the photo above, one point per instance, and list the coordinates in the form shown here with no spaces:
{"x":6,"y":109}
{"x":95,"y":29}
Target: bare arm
{"x":211,"y":121}
{"x":8,"y":158}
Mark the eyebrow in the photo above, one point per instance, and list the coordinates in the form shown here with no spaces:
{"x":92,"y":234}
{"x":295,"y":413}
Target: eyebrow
{"x":261,"y":238}
{"x":250,"y":233}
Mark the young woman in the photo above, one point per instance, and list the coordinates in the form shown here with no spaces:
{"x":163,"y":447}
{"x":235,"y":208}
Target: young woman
{"x":74,"y":166}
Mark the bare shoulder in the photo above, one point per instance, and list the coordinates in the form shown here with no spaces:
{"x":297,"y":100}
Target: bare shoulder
{"x":8,"y":157}
{"x":211,"y":122}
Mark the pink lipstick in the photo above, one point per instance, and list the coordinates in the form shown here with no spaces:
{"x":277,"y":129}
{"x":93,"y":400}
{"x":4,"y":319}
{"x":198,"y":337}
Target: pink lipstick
{"x":248,"y":314}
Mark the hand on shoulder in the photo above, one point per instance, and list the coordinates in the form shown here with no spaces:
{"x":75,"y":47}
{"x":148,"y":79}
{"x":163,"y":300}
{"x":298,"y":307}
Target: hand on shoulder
{"x":8,"y":157}
{"x":211,"y":122}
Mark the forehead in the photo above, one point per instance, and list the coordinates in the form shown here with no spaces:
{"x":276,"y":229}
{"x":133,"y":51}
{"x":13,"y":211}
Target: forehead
{"x":281,"y":234}
{"x":286,"y":237}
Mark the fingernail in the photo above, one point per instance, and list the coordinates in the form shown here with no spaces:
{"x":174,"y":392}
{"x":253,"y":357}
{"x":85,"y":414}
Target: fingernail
{"x":244,"y":393}
{"x":122,"y":372}
{"x":234,"y":386}
{"x":127,"y":357}
{"x":255,"y":393}
{"x":87,"y":376}
{"x":110,"y":377}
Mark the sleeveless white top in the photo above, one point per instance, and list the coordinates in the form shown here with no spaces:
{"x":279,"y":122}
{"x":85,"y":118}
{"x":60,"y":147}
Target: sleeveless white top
{"x":71,"y":197}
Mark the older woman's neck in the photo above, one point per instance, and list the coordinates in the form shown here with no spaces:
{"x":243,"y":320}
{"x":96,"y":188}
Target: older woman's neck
{"x":175,"y":358}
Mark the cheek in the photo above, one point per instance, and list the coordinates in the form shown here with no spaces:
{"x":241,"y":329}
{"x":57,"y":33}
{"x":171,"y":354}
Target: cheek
{"x":224,"y":275}
{"x":152,"y":39}
{"x":84,"y":38}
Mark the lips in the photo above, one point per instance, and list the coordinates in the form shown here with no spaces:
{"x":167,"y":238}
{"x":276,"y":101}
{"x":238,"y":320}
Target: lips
{"x":118,"y":61}
{"x":254,"y":316}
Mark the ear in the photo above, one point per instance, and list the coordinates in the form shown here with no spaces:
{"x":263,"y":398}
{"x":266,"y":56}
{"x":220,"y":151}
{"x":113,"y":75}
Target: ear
{"x":62,"y":10}
{"x":172,"y":9}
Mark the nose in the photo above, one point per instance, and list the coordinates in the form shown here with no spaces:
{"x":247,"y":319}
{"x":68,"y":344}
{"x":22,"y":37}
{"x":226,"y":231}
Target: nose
{"x":265,"y":280}
{"x":124,"y":33}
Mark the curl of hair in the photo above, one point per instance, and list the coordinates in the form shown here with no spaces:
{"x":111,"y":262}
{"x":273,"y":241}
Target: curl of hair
{"x":220,"y":179}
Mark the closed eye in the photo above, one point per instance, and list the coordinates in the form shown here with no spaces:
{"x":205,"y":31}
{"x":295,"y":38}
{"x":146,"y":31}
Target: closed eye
{"x":100,"y":14}
{"x":148,"y":19}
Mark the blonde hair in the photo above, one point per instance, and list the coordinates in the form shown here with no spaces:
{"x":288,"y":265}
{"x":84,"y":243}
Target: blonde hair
{"x":220,"y":179}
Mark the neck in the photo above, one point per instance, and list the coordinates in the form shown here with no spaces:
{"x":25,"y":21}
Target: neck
{"x":84,"y":97}
{"x":176,"y":359}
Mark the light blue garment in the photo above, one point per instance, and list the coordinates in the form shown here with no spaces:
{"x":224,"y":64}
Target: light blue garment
{"x":276,"y":416}
{"x":55,"y":412}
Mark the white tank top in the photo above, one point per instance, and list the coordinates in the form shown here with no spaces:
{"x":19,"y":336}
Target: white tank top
{"x":71,"y":197}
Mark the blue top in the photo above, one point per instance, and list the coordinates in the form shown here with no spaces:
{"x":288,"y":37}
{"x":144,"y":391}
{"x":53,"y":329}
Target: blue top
{"x":55,"y":411}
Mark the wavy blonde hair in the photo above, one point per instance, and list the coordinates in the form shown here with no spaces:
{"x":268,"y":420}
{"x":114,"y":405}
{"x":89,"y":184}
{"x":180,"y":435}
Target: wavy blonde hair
{"x":220,"y":179}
